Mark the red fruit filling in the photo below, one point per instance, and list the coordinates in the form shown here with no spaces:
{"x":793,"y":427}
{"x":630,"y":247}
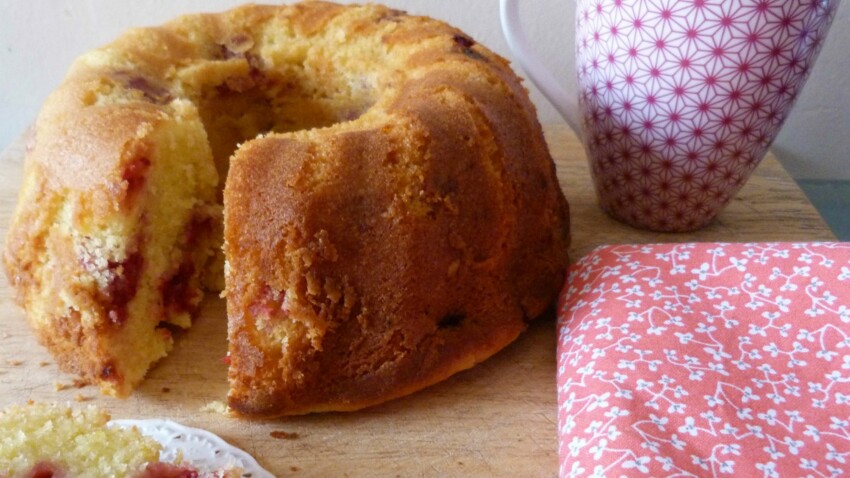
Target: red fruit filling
{"x":167,"y":470}
{"x":198,"y":227}
{"x":177,"y":293}
{"x":135,"y":175}
{"x":465,"y":44}
{"x":267,"y":304}
{"x":238,"y":48}
{"x":46,"y":470}
{"x":153,"y":93}
{"x":464,"y":41}
{"x":123,"y":287}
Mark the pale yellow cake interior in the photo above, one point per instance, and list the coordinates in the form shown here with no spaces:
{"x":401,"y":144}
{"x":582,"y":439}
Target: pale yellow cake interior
{"x":77,"y":441}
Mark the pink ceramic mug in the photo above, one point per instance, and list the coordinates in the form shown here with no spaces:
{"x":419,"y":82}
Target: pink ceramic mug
{"x":678,"y":101}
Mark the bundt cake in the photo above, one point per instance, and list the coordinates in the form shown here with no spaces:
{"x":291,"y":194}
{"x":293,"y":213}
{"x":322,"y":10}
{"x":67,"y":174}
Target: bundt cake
{"x":390,"y":211}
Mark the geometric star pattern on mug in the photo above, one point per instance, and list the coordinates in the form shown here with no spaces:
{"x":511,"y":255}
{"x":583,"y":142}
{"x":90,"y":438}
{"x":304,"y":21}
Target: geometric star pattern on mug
{"x":681,"y":99}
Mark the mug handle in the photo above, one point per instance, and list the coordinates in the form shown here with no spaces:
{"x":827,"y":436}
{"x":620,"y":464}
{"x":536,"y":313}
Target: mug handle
{"x":565,"y":104}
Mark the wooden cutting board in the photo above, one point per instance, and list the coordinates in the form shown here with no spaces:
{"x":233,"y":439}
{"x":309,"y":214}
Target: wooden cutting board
{"x":497,"y":419}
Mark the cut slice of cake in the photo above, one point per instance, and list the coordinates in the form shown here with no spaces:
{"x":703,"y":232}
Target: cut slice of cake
{"x":110,"y":259}
{"x":55,"y":441}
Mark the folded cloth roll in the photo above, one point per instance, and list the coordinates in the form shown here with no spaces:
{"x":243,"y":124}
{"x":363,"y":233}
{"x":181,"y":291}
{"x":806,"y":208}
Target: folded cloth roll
{"x":706,"y":359}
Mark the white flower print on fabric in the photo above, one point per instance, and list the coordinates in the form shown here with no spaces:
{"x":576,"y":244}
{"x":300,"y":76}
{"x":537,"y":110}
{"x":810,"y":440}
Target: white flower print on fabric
{"x":706,"y":360}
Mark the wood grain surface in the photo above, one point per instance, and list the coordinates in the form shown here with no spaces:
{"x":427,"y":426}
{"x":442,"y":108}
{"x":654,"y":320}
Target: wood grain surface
{"x":497,"y":419}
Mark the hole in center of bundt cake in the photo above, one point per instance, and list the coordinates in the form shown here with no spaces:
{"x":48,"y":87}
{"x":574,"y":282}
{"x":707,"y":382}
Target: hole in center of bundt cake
{"x":254,"y":98}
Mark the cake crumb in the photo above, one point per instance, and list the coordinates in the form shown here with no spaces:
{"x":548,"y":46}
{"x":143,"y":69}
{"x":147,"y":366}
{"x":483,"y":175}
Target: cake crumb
{"x":282,"y":435}
{"x":294,"y":469}
{"x":80,"y":383}
{"x":59,"y":386}
{"x":43,"y":363}
{"x":14,"y":362}
{"x":165,"y":389}
{"x":81,"y":398}
{"x":216,"y":406}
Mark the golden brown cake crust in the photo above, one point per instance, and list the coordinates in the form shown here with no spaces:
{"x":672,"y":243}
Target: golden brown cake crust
{"x":371,"y":260}
{"x":391,"y":211}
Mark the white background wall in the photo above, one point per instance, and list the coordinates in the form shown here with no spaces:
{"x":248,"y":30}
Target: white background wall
{"x":40,"y":38}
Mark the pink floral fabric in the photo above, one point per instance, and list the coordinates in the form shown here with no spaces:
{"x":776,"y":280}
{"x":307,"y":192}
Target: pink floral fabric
{"x":706,"y":360}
